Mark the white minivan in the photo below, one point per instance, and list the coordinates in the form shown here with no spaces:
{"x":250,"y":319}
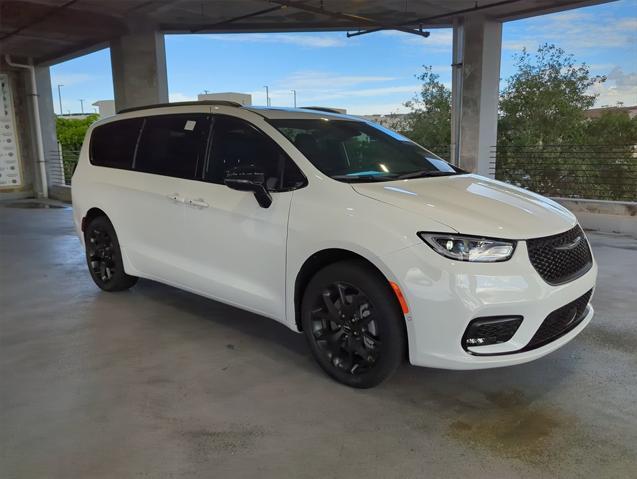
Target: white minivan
{"x":372,"y":246}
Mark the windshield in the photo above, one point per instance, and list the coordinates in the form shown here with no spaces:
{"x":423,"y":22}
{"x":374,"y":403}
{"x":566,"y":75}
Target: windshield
{"x":360,"y":151}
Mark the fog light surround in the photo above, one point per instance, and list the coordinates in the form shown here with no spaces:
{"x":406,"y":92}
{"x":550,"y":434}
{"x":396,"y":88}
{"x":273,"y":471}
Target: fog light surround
{"x":490,"y":330}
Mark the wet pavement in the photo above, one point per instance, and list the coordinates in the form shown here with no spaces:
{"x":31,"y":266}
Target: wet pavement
{"x":156,"y":382}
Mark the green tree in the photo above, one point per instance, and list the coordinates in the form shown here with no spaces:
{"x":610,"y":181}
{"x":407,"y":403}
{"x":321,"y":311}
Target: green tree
{"x":543,"y":102}
{"x":70,"y":135}
{"x":613,"y":127}
{"x":545,"y":141}
{"x":429,"y":119}
{"x":612,"y":137}
{"x":71,"y":131}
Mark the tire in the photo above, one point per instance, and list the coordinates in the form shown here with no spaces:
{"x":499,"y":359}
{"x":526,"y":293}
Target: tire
{"x":104,"y":257}
{"x":362,"y":343}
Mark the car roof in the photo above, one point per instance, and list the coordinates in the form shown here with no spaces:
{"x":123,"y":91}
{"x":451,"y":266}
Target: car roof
{"x":268,"y":112}
{"x":281,"y":113}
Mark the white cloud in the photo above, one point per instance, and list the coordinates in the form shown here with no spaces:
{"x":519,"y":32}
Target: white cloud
{"x":576,"y":31}
{"x":619,"y":87}
{"x":439,"y":38}
{"x":330,"y":89}
{"x":310,"y":80}
{"x":323,"y":88}
{"x":69,"y":79}
{"x":178,"y":96}
{"x":530,"y":44}
{"x":311,"y":41}
{"x":600,"y":68}
{"x":335,"y":97}
{"x":375,"y":108}
{"x":411,"y":89}
{"x":340,"y":95}
{"x":622,"y":79}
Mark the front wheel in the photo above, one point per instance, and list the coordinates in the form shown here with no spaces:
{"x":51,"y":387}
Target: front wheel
{"x":353,"y":324}
{"x":104,"y":257}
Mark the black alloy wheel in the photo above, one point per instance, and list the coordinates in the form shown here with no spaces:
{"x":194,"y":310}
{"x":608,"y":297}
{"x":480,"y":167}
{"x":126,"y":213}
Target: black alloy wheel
{"x":104,"y":258}
{"x":353,"y":323}
{"x":100,"y":254}
{"x":344,"y":328}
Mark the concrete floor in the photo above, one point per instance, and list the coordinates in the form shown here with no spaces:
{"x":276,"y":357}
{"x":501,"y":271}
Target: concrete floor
{"x":156,"y":382}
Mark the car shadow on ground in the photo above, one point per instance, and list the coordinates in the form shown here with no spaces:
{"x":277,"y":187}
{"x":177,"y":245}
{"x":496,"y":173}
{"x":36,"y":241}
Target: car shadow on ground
{"x":541,"y":375}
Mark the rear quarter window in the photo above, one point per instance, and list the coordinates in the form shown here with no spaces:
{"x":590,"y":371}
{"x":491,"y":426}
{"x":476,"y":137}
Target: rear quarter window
{"x":113,"y":144}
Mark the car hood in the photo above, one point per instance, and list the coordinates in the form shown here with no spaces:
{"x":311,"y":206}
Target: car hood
{"x":474,"y":205}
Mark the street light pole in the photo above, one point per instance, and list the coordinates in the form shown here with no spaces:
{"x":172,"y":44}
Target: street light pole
{"x":267,"y":95}
{"x":82,"y":106}
{"x":60,"y":98}
{"x":294,"y":91}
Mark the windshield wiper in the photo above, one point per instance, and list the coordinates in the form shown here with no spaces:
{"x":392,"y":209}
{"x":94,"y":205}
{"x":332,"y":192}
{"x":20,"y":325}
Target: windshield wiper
{"x":427,"y":174}
{"x":363,"y":178}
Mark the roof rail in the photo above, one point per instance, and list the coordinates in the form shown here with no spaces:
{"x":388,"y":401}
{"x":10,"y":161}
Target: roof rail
{"x":323,"y":108}
{"x":182,"y":103}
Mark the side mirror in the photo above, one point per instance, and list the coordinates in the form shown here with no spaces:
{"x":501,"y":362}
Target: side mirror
{"x":249,"y":178}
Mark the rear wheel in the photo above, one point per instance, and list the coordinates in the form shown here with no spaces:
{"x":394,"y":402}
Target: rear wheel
{"x":353,"y":324}
{"x":104,"y":257}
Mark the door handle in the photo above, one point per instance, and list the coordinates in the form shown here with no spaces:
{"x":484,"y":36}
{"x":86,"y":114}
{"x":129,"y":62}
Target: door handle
{"x":176,"y":198}
{"x":198,"y":203}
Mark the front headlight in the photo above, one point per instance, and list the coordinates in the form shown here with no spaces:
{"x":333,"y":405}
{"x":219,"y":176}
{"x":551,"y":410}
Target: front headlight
{"x":469,"y":248}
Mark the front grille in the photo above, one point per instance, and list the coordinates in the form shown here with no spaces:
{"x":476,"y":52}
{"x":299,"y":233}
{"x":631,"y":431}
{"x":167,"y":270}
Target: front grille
{"x":560,"y":322}
{"x":560,"y":258}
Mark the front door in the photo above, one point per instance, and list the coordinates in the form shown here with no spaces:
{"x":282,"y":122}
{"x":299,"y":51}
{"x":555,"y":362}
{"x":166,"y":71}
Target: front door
{"x":238,"y":248}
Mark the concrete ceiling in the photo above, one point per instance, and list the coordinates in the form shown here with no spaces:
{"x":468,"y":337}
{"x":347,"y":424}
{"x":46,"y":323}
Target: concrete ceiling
{"x":50,"y":31}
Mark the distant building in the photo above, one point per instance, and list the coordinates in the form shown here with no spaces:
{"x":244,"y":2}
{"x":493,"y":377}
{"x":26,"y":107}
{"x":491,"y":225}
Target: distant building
{"x":597,"y":112}
{"x":244,"y":99}
{"x":342,"y":111}
{"x":393,"y":121}
{"x":74,"y":116}
{"x":105,"y":107}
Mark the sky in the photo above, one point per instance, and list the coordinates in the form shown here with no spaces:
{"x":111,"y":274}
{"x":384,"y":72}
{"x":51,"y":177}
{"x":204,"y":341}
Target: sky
{"x":369,"y":74}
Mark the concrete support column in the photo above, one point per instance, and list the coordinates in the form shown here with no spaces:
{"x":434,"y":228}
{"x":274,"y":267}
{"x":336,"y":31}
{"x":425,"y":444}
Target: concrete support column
{"x":138,"y":62}
{"x":477,"y":46}
{"x":456,"y":89}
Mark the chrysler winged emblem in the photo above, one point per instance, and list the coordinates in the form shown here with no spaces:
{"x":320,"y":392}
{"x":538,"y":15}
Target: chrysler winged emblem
{"x":569,"y":246}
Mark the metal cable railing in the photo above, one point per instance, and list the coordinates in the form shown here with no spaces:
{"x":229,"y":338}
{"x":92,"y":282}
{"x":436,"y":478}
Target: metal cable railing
{"x":600,"y":172}
{"x":60,"y":165}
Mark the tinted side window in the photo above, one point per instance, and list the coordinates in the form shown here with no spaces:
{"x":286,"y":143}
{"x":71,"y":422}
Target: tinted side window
{"x":113,"y":144}
{"x":236,"y":142}
{"x":173,"y":145}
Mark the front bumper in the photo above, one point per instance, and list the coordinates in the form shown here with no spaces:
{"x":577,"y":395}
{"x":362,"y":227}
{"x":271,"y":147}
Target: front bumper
{"x":445,"y":295}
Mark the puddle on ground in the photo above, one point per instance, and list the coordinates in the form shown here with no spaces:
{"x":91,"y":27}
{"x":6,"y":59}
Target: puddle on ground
{"x":32,"y":205}
{"x":511,"y":426}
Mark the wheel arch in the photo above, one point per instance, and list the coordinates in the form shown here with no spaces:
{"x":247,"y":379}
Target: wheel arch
{"x":94,"y":212}
{"x":318,"y":261}
{"x":90,"y":215}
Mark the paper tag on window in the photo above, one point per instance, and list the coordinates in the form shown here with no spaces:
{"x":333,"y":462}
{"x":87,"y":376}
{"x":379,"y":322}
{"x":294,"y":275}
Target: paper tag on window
{"x":190,"y":125}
